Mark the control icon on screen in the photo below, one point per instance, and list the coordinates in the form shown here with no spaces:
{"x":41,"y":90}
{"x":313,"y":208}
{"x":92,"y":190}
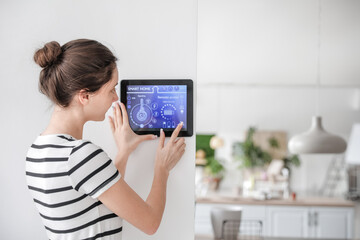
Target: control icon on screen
{"x":168,"y":111}
{"x":141,"y":114}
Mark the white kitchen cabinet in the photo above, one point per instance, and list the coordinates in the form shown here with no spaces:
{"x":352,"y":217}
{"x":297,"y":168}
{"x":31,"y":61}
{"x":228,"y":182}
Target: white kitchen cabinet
{"x":332,"y":222}
{"x":314,"y":222}
{"x":287,"y":221}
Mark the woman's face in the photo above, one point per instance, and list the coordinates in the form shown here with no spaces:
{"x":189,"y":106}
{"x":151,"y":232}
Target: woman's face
{"x":102,"y":100}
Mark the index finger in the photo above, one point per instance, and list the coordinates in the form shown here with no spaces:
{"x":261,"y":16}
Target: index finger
{"x":176,"y":131}
{"x":124,"y":113}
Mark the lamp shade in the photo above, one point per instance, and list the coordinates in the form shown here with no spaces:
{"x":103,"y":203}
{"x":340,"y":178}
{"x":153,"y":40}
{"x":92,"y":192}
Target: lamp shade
{"x":316,"y":140}
{"x":353,"y":151}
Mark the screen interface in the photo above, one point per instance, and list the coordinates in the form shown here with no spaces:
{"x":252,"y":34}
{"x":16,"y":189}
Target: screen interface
{"x":156,"y":106}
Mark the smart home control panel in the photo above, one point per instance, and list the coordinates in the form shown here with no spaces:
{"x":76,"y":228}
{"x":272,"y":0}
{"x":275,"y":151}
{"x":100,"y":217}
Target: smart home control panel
{"x":158,"y":104}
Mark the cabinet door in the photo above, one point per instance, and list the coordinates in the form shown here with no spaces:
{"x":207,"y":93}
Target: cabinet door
{"x":202,"y":219}
{"x":333,"y":222}
{"x":288,"y":222}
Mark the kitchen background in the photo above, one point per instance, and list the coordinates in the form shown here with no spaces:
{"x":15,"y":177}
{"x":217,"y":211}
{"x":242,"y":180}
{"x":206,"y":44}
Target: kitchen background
{"x":257,"y":66}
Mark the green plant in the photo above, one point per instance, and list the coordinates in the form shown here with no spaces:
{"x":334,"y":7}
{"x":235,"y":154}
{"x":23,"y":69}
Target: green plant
{"x":213,"y":166}
{"x":249,"y":154}
{"x":203,"y":143}
{"x":289,"y":161}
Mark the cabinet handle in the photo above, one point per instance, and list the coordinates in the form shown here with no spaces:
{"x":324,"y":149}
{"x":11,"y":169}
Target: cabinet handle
{"x":315,"y":219}
{"x":309,"y":219}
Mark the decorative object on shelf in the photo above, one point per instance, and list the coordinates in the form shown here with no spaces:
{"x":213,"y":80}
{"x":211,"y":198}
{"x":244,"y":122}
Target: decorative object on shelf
{"x":216,"y":142}
{"x":274,"y":169}
{"x":213,"y":169}
{"x":265,"y":164}
{"x":289,"y":160}
{"x":200,"y":157}
{"x":316,"y":139}
{"x":253,"y":161}
{"x":260,"y":147}
{"x":203,"y":148}
{"x":249,"y":154}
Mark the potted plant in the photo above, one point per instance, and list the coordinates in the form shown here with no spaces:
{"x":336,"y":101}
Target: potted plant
{"x":205,"y":156}
{"x":250,"y":155}
{"x":214,"y":170}
{"x":290,"y":160}
{"x":253,"y":159}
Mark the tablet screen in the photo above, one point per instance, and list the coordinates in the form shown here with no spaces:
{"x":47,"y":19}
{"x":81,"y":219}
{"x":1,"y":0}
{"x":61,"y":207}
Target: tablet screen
{"x":152,"y":107}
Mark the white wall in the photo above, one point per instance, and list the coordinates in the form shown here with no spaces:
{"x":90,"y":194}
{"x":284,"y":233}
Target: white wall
{"x":152,"y":39}
{"x":257,"y":66}
{"x":276,"y":42}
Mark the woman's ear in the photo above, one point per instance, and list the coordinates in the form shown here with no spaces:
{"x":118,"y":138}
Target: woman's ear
{"x":83,"y":96}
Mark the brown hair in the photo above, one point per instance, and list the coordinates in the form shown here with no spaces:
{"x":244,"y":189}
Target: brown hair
{"x":78,"y":64}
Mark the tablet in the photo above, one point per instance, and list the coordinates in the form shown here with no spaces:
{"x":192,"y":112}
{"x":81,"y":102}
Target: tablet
{"x":154,"y":104}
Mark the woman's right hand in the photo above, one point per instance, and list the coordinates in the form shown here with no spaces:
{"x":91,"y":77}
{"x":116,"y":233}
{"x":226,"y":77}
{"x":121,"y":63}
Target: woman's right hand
{"x":125,"y":138}
{"x":169,"y":155}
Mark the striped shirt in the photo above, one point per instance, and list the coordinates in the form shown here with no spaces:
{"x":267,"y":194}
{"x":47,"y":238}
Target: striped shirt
{"x":65,"y":177}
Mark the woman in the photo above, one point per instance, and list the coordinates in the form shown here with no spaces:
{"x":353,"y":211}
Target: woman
{"x":79,"y":191}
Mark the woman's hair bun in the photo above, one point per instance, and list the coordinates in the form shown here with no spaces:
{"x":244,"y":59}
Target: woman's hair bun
{"x":48,"y":54}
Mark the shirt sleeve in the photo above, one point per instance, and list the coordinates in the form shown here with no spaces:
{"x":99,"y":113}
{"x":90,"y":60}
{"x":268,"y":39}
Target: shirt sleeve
{"x":90,"y":169}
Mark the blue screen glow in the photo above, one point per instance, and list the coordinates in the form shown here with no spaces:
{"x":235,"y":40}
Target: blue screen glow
{"x":156,"y":106}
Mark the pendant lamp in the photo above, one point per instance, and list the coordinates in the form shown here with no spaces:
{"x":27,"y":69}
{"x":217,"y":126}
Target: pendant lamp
{"x":316,"y":139}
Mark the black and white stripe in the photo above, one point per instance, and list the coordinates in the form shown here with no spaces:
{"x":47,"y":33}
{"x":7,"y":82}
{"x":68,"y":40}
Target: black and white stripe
{"x":65,"y":177}
{"x":73,"y":215}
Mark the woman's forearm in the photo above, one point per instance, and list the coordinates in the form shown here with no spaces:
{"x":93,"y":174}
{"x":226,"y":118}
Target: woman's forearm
{"x":157,"y":197}
{"x":120,"y":163}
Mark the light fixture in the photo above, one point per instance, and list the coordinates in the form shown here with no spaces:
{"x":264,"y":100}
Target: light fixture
{"x":316,"y":139}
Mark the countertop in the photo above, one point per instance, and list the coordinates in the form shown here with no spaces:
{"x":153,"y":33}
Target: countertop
{"x":303,"y":201}
{"x":210,"y":237}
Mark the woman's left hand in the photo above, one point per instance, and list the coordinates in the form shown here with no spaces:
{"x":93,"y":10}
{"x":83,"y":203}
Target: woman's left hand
{"x":126,"y":140}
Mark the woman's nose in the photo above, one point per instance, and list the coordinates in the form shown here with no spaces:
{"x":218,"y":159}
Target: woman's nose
{"x":116,"y":98}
